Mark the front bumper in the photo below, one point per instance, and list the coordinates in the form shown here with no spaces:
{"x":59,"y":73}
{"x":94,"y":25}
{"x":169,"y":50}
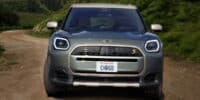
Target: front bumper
{"x":62,"y":76}
{"x":105,"y":83}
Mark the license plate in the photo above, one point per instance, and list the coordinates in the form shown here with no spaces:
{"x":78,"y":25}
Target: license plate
{"x":106,"y":67}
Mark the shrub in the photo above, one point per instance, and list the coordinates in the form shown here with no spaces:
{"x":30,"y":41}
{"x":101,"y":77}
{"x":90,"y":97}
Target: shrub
{"x":8,"y":18}
{"x":182,"y":44}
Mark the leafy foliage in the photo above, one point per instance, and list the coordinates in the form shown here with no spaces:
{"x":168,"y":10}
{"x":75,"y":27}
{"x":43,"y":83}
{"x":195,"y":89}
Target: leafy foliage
{"x":54,"y":4}
{"x":16,"y":14}
{"x":7,"y":18}
{"x":182,"y":44}
{"x":56,"y":16}
{"x":25,"y":21}
{"x":13,"y":13}
{"x":36,"y":6}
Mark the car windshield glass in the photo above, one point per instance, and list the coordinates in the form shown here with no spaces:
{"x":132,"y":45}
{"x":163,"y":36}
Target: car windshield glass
{"x":104,"y":19}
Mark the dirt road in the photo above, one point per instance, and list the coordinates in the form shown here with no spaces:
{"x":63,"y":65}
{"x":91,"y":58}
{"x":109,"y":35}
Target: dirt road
{"x":21,"y":69}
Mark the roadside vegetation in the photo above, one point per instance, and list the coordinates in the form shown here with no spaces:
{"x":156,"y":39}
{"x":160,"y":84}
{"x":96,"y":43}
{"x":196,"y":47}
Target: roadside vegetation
{"x":27,"y":23}
{"x":40,"y":34}
{"x":24,"y":14}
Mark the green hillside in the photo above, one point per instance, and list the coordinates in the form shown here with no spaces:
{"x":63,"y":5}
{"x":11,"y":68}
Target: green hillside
{"x":16,"y":14}
{"x":33,"y":5}
{"x":24,"y":14}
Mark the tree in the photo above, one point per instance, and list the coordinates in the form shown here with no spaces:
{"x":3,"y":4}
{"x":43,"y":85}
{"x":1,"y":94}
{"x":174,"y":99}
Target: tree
{"x":36,"y":6}
{"x":55,"y":4}
{"x":8,"y":17}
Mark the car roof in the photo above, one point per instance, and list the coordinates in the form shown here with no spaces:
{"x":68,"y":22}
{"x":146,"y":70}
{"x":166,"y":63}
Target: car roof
{"x":102,"y":5}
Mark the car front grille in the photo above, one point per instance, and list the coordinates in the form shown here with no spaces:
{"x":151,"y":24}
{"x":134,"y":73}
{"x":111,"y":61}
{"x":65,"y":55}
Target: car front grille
{"x":107,"y":51}
{"x":84,"y":59}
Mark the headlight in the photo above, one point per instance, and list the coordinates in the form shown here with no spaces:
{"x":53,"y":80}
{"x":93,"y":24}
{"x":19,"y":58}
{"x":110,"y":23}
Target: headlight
{"x":60,"y":43}
{"x":152,"y":46}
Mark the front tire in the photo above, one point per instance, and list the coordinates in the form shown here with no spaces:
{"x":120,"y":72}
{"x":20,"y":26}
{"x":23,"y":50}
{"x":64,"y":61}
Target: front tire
{"x":155,"y":92}
{"x":51,"y":90}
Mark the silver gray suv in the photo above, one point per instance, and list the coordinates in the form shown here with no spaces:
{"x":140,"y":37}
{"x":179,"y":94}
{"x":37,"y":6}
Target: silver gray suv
{"x":103,"y":45}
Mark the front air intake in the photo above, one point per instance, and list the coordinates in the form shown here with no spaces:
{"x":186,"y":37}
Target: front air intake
{"x":107,"y":51}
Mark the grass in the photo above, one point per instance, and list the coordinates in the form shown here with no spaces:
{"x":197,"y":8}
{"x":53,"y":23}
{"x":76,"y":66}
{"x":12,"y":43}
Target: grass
{"x":28,"y":20}
{"x":55,"y":16}
{"x":42,"y":34}
{"x":182,"y":45}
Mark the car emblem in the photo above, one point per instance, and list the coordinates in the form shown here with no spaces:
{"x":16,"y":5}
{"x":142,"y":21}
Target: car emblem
{"x":133,"y":51}
{"x":107,"y":41}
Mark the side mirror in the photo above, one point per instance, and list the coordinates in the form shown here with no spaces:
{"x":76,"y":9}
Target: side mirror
{"x":156,"y":27}
{"x":52,"y":25}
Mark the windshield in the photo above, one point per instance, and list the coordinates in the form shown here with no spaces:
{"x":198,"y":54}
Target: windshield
{"x":104,"y":19}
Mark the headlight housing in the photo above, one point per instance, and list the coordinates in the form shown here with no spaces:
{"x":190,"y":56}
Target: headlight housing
{"x":61,"y":43}
{"x":152,"y":46}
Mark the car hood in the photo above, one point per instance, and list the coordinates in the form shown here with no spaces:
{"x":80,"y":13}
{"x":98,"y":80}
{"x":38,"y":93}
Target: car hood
{"x":107,"y":35}
{"x":107,"y":38}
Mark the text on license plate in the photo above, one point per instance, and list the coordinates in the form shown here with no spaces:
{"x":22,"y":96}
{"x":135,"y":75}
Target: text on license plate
{"x":106,"y":66}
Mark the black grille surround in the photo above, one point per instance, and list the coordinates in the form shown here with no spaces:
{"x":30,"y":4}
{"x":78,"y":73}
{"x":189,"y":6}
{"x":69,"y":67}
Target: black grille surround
{"x":107,"y":51}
